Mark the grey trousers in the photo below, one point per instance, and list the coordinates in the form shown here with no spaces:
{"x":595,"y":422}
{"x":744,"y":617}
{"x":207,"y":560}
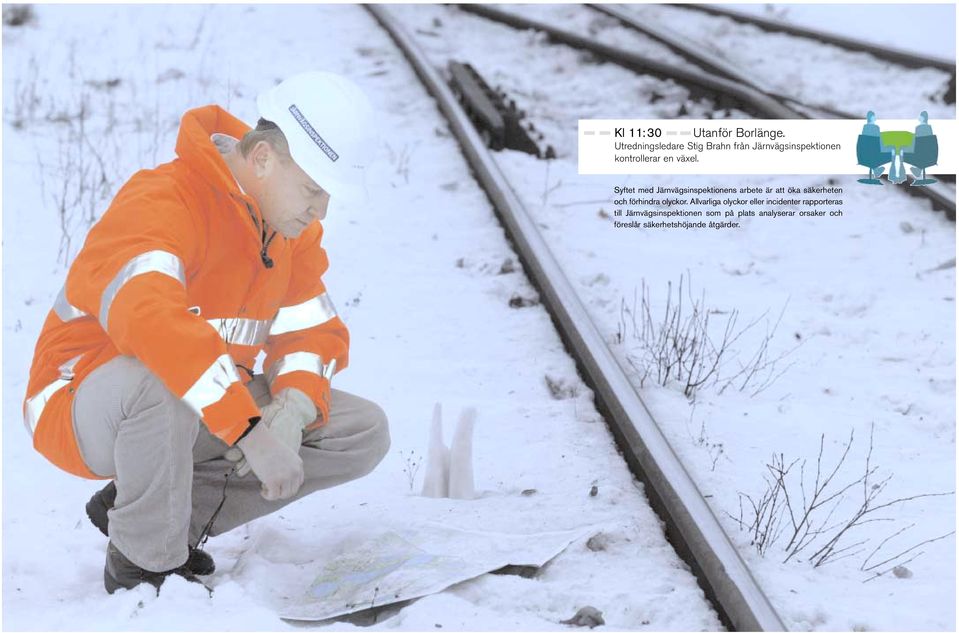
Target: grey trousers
{"x":170,"y":471}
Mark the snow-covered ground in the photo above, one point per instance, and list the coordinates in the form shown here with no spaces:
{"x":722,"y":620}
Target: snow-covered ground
{"x":869,"y":324}
{"x":928,"y":29}
{"x":869,"y":308}
{"x":420,"y":279}
{"x":817,"y":73}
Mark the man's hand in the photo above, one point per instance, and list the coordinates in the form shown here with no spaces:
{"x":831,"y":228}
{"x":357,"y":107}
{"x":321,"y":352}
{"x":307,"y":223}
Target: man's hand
{"x":278,"y":468}
{"x":286,"y":416}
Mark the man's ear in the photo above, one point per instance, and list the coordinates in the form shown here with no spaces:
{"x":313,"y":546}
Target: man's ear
{"x":262,"y":158}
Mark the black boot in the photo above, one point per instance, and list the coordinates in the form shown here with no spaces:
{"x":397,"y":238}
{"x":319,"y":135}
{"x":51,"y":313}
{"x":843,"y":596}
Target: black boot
{"x":199,"y":562}
{"x":120,"y":572}
{"x":98,"y":506}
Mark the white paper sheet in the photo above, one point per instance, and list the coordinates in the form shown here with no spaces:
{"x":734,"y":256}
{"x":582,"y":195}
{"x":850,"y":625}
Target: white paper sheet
{"x":401,"y":564}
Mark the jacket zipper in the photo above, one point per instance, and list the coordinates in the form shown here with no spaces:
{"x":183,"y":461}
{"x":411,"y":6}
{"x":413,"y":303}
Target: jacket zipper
{"x":264,"y":240}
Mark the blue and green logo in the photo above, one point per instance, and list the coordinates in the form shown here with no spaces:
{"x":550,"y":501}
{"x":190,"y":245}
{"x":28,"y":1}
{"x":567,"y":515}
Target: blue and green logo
{"x":897,"y":148}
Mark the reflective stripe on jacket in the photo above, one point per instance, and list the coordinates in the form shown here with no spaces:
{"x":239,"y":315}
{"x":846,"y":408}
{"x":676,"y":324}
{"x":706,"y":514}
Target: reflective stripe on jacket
{"x":172,"y":274}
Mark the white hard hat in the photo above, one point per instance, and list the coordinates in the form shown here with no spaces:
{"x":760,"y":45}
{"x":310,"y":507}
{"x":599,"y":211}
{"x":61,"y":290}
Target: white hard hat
{"x":328,"y":123}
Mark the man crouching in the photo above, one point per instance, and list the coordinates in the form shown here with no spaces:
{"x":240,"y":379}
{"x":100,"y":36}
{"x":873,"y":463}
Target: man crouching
{"x":143,"y":372}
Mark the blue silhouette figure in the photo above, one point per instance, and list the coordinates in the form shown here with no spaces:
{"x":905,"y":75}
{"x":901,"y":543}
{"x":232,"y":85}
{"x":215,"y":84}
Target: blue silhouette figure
{"x":923,"y":129}
{"x":870,"y":152}
{"x":923,"y":152}
{"x":870,"y":128}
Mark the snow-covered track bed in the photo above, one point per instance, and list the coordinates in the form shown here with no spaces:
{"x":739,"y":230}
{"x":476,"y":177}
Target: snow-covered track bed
{"x":899,"y":56}
{"x":723,"y":92}
{"x":816,"y":70}
{"x":705,"y":57}
{"x":725,"y":84}
{"x":832,"y":282}
{"x":691,"y":524}
{"x":715,"y":61}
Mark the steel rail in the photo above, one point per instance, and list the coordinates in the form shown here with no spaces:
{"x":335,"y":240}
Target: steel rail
{"x":708,"y":60}
{"x":897,"y":55}
{"x":680,"y":44}
{"x":941,"y":198}
{"x":753,"y":100}
{"x":691,"y":525}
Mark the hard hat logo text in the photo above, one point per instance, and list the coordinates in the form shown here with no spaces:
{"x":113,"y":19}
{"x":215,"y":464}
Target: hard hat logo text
{"x":313,"y":133}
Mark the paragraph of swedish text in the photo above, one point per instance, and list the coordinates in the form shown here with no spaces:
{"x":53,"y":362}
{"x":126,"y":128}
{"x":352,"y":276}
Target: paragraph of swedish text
{"x":709,"y":207}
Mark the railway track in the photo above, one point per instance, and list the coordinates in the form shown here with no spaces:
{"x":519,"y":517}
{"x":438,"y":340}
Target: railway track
{"x":692,"y":527}
{"x":711,"y":62}
{"x":732,"y":86}
{"x":729,"y":35}
{"x":726,"y":92}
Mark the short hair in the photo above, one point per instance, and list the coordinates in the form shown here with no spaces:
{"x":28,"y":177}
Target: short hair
{"x":265,"y":131}
{"x":924,"y":116}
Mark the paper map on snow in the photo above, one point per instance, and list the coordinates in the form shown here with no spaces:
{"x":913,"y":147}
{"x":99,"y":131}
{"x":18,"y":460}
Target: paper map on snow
{"x":401,"y":564}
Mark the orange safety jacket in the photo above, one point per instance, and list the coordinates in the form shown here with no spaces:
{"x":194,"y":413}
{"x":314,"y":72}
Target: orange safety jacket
{"x":176,"y":274}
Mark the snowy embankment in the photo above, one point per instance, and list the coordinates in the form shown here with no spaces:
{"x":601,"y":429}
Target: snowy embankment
{"x":420,"y":277}
{"x":866,"y":340}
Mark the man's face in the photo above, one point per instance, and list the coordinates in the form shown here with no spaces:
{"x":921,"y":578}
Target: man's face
{"x":288,"y":197}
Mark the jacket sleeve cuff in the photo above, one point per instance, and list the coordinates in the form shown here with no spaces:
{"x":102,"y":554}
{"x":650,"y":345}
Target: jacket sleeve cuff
{"x":253,"y":422}
{"x":317,"y":388}
{"x":232,"y":416}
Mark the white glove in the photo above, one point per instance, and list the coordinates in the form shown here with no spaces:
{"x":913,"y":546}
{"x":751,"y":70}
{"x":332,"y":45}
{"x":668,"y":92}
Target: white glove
{"x":286,"y":416}
{"x":279,"y":469}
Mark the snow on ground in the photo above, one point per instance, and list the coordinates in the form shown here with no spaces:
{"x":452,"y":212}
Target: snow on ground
{"x":868,"y":322}
{"x":579,"y":19}
{"x":419,"y":277}
{"x":816,"y":73}
{"x":446,"y":33}
{"x":927,"y":29}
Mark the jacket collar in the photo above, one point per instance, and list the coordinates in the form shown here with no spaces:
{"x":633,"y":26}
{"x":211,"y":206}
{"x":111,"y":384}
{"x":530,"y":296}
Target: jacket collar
{"x":195,"y":147}
{"x":193,"y":144}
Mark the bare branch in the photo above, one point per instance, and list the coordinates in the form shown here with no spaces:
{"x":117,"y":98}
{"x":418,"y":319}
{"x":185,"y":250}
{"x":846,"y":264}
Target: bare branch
{"x":892,"y":558}
{"x":812,"y":525}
